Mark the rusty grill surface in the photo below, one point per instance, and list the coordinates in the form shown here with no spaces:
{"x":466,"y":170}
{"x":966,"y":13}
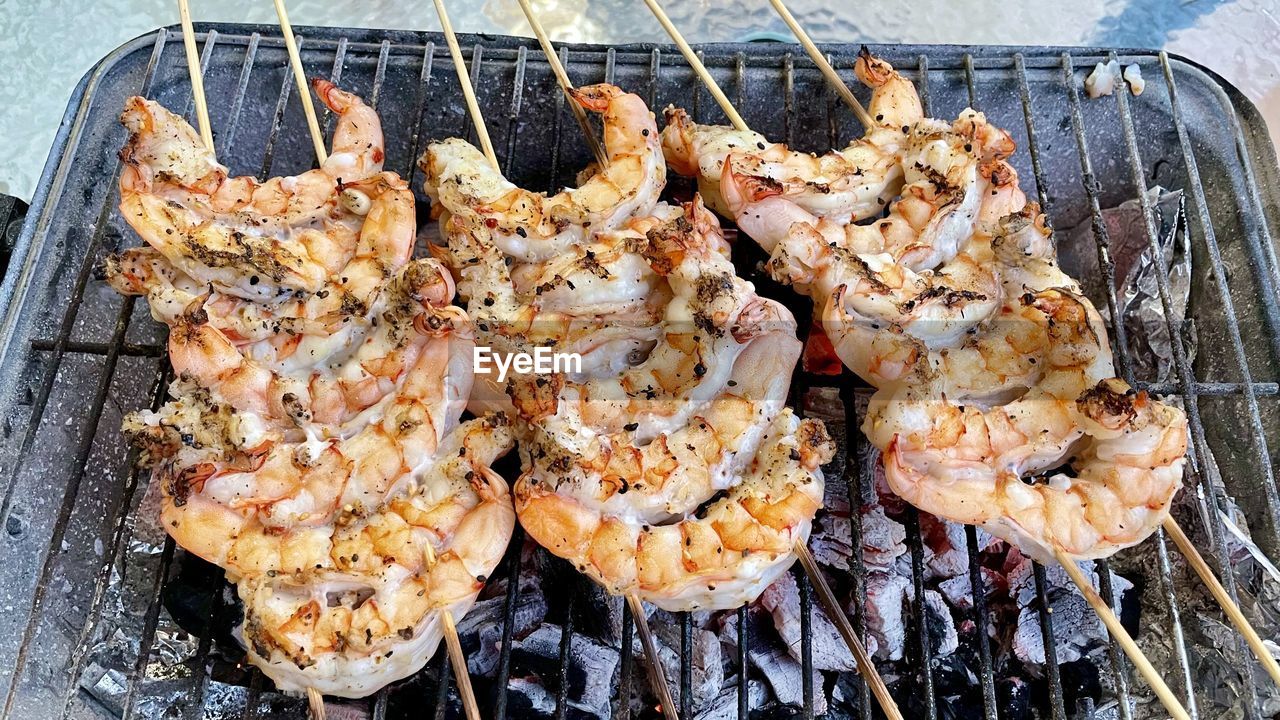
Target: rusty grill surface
{"x":86,"y":568}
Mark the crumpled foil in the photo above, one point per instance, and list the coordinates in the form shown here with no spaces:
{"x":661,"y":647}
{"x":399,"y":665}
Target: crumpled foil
{"x":1138,"y":301}
{"x":1215,"y":650}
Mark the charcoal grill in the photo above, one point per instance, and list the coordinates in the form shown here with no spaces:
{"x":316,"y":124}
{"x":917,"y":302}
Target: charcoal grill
{"x":90,"y":587}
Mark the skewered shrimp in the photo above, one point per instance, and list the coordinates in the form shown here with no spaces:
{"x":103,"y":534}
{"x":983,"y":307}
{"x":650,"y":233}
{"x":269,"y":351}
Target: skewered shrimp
{"x":949,"y":168}
{"x":260,"y":241}
{"x":351,"y":608}
{"x":845,"y":185}
{"x":534,"y":227}
{"x":226,"y":468}
{"x":974,"y":467}
{"x":619,"y":468}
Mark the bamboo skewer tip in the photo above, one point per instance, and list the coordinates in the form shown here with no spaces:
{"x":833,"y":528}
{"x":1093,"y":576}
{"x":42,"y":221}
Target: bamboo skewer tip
{"x":197,"y":76}
{"x":653,"y":663}
{"x":300,"y":78}
{"x":562,"y":77}
{"x":1121,"y":636}
{"x":698,"y":68}
{"x":468,"y":92}
{"x":1232,"y":610}
{"x":819,"y":59}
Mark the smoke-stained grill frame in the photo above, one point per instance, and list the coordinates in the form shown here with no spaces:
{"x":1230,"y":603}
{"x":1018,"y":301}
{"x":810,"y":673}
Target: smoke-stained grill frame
{"x":75,"y":356}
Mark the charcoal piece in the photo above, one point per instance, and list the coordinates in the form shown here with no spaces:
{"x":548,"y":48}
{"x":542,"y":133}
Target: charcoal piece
{"x":785,"y":676}
{"x":724,"y":706}
{"x":782,"y":600}
{"x":591,"y":672}
{"x":940,"y":626}
{"x":481,"y":628}
{"x":1080,"y":681}
{"x":1013,"y":698}
{"x":527,"y":698}
{"x":886,"y":596}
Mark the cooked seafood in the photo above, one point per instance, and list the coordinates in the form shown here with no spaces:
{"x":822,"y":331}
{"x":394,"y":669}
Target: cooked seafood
{"x":263,"y":241}
{"x":690,"y":452}
{"x":225,"y":470}
{"x":845,"y":185}
{"x":312,"y":446}
{"x":534,"y":227}
{"x":355,"y":608}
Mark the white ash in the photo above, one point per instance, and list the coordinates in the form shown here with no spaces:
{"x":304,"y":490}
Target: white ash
{"x":782,"y":600}
{"x":941,"y":626}
{"x":959,"y":590}
{"x":594,"y":666}
{"x":481,"y":627}
{"x":785,"y":675}
{"x":882,"y":540}
{"x":706,"y":661}
{"x":538,"y":701}
{"x":886,"y":596}
{"x":1076,"y":627}
{"x":725,"y":705}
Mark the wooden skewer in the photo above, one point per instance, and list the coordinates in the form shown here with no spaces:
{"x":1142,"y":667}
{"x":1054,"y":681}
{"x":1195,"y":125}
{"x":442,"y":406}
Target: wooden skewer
{"x":657,"y":676}
{"x":300,"y":77}
{"x":1232,"y":610}
{"x":689,"y":55}
{"x":454,"y":647}
{"x":654,"y":665}
{"x":821,"y":61}
{"x":827,"y":599}
{"x":825,"y":596}
{"x":316,"y":702}
{"x":1140,"y":661}
{"x":468,"y":92}
{"x":566,"y":85}
{"x":197,"y":78}
{"x":1170,"y":525}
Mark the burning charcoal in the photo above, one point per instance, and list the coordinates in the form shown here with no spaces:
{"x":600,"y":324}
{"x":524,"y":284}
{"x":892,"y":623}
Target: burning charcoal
{"x":782,"y":600}
{"x":725,"y":705}
{"x":527,"y":698}
{"x":959,"y":590}
{"x":481,"y":628}
{"x":707,"y":661}
{"x":882,"y":539}
{"x":830,"y":541}
{"x":886,"y":594}
{"x":1076,"y":627}
{"x":785,"y":676}
{"x":941,"y":628}
{"x":1013,"y":696}
{"x":592,"y":666}
{"x":946,"y":550}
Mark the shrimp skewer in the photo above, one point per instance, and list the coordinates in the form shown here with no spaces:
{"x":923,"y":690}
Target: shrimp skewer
{"x":624,"y":476}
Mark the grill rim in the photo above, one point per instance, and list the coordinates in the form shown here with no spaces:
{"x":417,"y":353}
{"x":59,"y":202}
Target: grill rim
{"x":16,"y":282}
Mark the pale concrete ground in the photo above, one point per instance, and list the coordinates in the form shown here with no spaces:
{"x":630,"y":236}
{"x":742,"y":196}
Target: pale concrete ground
{"x":46,"y":45}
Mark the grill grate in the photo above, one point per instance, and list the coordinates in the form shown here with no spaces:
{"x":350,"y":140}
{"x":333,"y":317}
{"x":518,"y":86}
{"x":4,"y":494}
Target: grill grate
{"x":75,"y":356}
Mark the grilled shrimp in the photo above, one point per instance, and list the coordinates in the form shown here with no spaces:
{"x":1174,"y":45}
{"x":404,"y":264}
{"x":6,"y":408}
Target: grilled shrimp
{"x":845,"y":185}
{"x":263,"y":241}
{"x":534,"y":227}
{"x":949,"y":169}
{"x":313,"y":383}
{"x":987,"y":468}
{"x":618,"y":468}
{"x":227,"y":467}
{"x":361,"y":607}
